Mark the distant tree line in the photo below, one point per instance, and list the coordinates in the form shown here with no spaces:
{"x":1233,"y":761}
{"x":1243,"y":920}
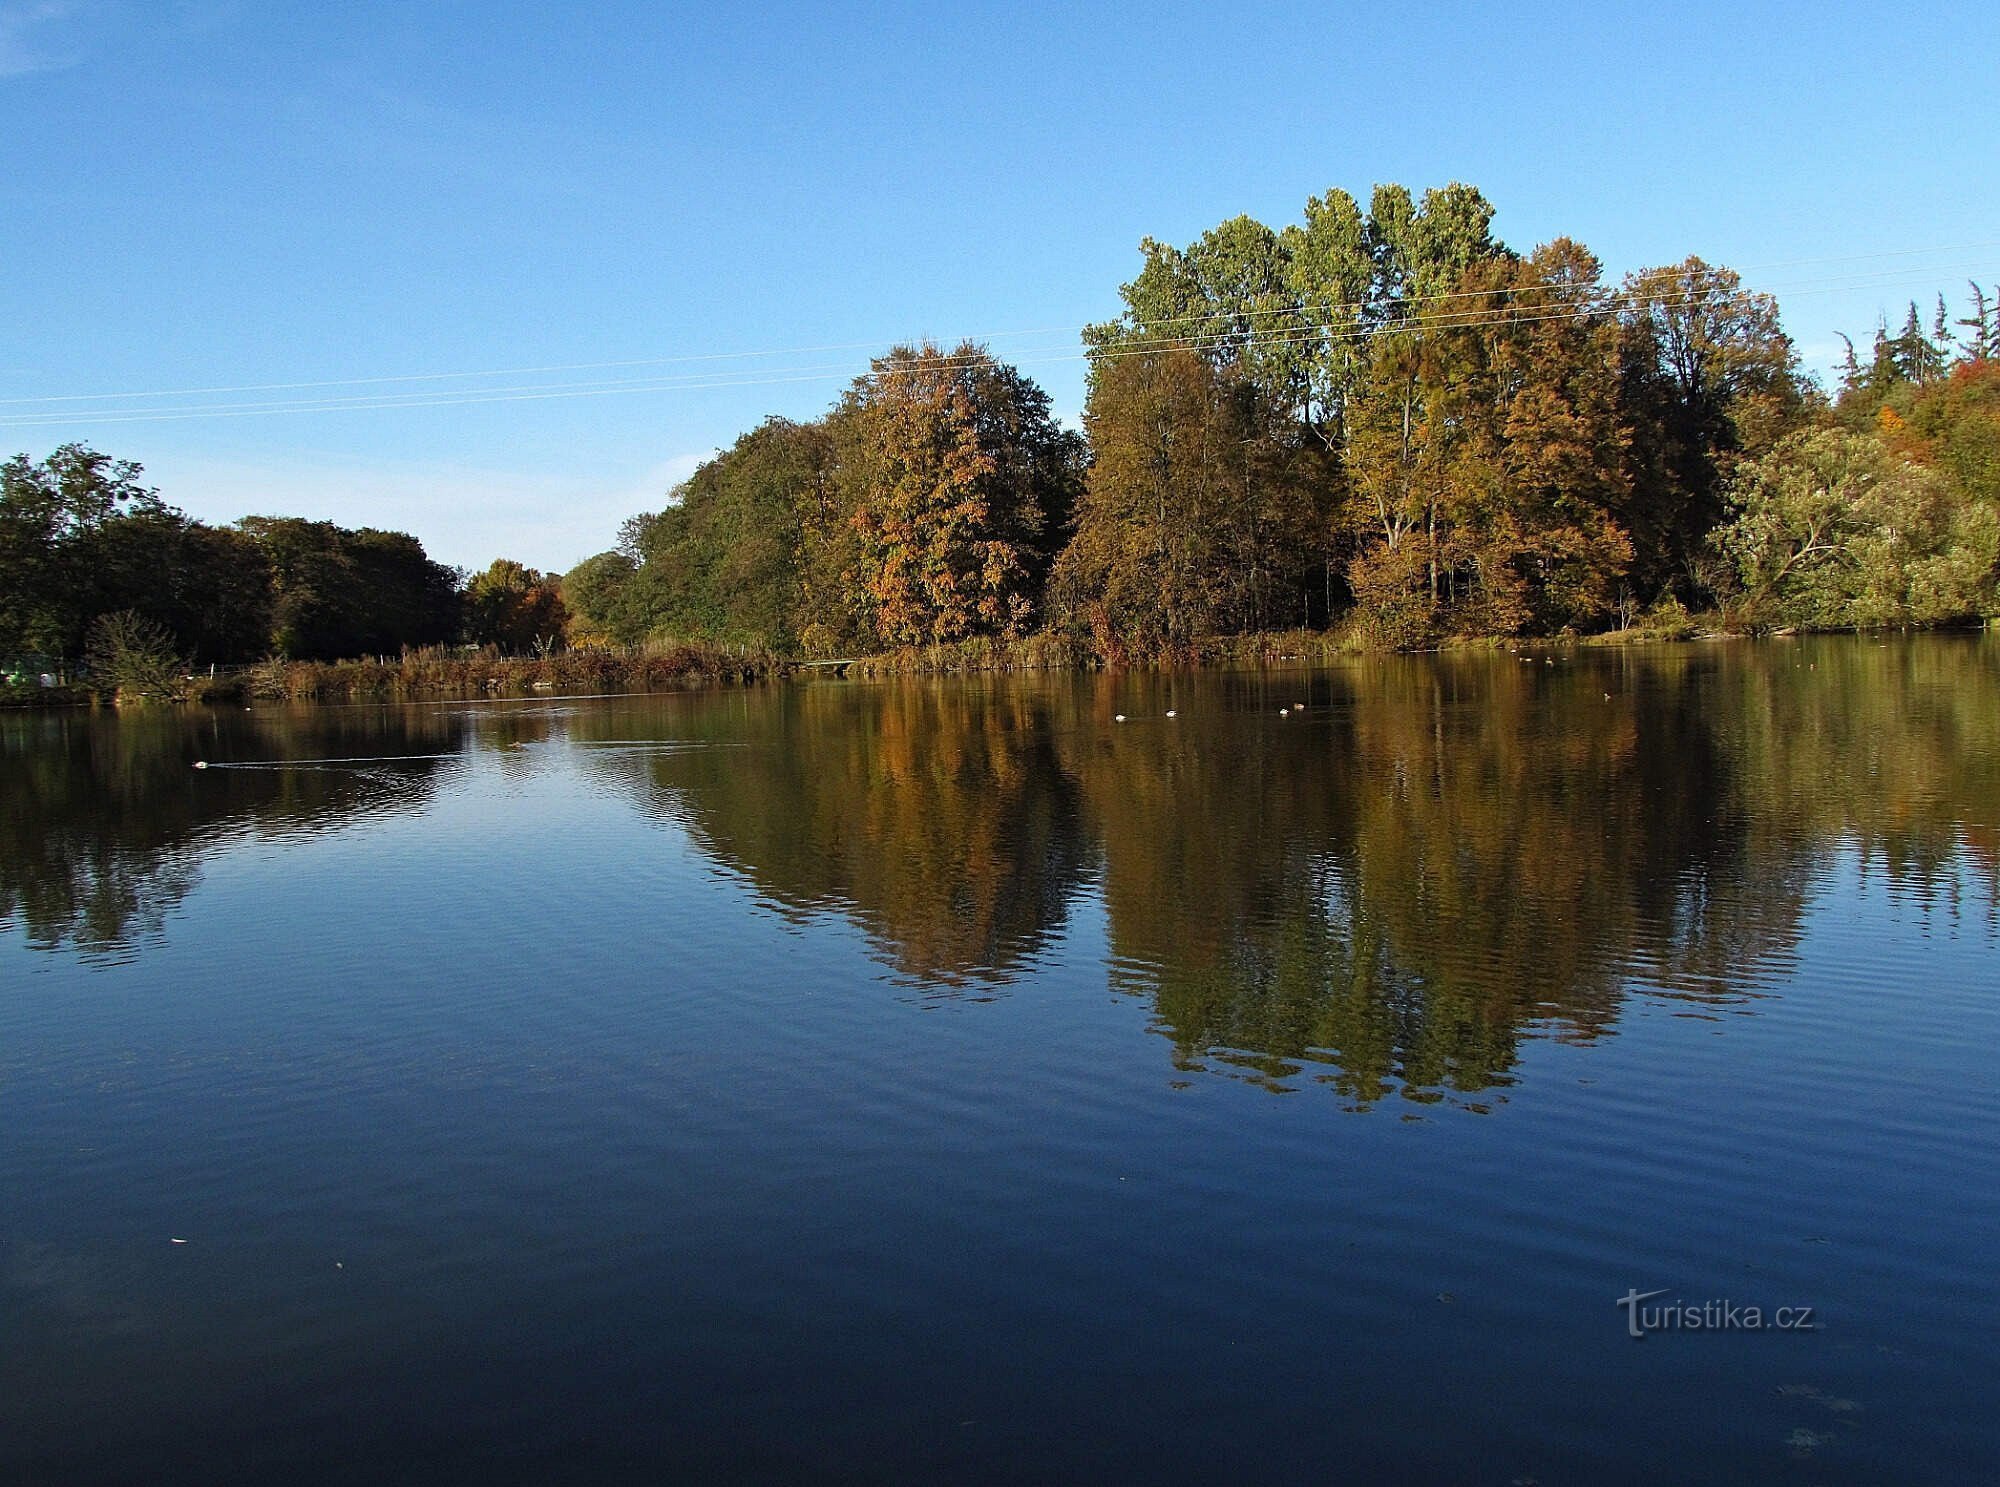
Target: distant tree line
{"x":83,"y":542}
{"x":1380,"y":421}
{"x":1380,"y":418}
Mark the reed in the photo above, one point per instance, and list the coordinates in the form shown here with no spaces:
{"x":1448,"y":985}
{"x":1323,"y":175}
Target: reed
{"x":441,"y":672}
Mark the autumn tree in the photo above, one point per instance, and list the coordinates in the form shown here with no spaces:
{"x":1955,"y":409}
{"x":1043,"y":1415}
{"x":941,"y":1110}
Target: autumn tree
{"x":959,"y":483}
{"x":1152,"y":567}
{"x":1710,"y":379}
{"x":1401,"y":447}
{"x":1563,"y":437}
{"x":512,"y":606}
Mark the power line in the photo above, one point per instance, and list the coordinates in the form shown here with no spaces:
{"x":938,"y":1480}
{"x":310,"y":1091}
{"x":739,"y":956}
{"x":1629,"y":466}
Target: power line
{"x":1581,"y":303}
{"x":555,"y":368}
{"x":1585,"y":293}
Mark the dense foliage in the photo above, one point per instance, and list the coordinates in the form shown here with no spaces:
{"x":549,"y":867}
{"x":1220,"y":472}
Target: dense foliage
{"x":83,"y":541}
{"x":1380,"y":423}
{"x":929,"y":505}
{"x":1888,"y":512}
{"x":1380,"y":420}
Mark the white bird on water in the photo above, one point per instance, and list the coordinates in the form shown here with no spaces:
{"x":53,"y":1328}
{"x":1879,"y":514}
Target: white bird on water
{"x":1118,"y":717}
{"x":1172,"y":714}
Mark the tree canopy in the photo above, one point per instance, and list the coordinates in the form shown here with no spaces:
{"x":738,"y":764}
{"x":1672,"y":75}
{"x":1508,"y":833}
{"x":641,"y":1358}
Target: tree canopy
{"x":1379,"y":419}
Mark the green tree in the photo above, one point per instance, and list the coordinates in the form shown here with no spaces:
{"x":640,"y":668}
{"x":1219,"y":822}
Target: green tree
{"x":594,"y":595}
{"x":1831,"y":529}
{"x":1329,"y":272}
{"x":722,"y":560}
{"x":340,"y":593}
{"x":1711,"y":379}
{"x":49,"y":509}
{"x":81,"y":537}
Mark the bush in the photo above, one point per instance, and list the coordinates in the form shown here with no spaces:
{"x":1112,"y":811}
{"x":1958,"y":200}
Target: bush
{"x":133,"y":659}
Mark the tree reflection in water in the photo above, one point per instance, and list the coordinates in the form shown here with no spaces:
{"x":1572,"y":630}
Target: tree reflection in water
{"x":1385,"y":893}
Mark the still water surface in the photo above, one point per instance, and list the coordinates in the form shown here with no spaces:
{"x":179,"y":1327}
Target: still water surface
{"x":943,"y":1082}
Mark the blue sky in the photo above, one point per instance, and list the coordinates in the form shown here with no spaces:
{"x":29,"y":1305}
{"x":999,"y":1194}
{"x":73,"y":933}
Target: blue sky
{"x":208,"y":195}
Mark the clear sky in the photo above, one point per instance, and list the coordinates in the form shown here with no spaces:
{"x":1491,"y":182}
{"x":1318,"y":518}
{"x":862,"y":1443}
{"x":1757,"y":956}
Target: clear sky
{"x":225,"y":195}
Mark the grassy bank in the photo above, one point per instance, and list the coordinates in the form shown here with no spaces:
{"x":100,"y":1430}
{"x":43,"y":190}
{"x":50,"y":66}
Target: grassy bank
{"x":435,"y":673}
{"x":443,"y":673}
{"x":687,"y":666}
{"x":1050,"y":652}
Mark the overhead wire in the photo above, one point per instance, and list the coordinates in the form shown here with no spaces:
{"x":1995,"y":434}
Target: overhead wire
{"x":1555,"y":304}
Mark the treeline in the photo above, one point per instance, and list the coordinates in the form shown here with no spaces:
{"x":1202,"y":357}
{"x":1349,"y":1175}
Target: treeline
{"x":1379,"y":421}
{"x":89,"y":554}
{"x":1381,"y":424}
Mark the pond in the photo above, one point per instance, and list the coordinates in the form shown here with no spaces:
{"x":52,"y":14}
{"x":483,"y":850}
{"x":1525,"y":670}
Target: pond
{"x":1319,"y":1072}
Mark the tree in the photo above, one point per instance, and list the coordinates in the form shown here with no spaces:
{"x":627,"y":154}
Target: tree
{"x":133,"y":658}
{"x":1292,"y":312}
{"x":960,"y":483}
{"x":1231,"y":297}
{"x":1329,"y":271}
{"x":1154,"y":565}
{"x":339,"y":593}
{"x":1401,"y":445}
{"x":1830,"y":529}
{"x":1422,"y":250}
{"x":514,"y":607}
{"x":81,"y":537}
{"x":594,"y":596}
{"x":1955,"y":425}
{"x":723,"y":560}
{"x":1981,"y":341}
{"x":210,"y":587}
{"x":1710,"y":379}
{"x":49,"y":509}
{"x":1198,"y":516}
{"x":1564,"y":480}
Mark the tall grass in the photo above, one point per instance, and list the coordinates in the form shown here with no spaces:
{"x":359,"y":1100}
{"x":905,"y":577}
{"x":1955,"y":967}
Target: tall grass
{"x":1043,"y":651}
{"x":1051,"y":650}
{"x":438,"y":672}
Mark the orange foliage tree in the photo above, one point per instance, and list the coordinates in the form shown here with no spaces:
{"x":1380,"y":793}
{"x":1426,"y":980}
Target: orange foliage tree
{"x":960,"y":483}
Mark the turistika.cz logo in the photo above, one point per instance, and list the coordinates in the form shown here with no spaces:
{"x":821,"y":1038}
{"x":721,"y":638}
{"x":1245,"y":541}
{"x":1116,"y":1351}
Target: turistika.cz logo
{"x":1721,"y":1315}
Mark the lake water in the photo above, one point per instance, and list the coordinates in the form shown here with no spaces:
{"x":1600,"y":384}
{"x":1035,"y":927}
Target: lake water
{"x":942,"y":1081}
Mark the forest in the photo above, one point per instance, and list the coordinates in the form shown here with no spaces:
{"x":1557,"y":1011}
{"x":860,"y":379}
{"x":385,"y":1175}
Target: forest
{"x":1379,"y":423}
{"x":88,"y":555}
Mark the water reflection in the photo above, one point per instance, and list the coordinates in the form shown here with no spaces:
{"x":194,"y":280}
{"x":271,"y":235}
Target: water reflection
{"x":940,"y":817}
{"x":1385,"y":892}
{"x":1389,"y":889}
{"x":104,"y":820}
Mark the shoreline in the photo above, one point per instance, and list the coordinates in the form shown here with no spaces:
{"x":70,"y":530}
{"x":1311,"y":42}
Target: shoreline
{"x":691,"y":668}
